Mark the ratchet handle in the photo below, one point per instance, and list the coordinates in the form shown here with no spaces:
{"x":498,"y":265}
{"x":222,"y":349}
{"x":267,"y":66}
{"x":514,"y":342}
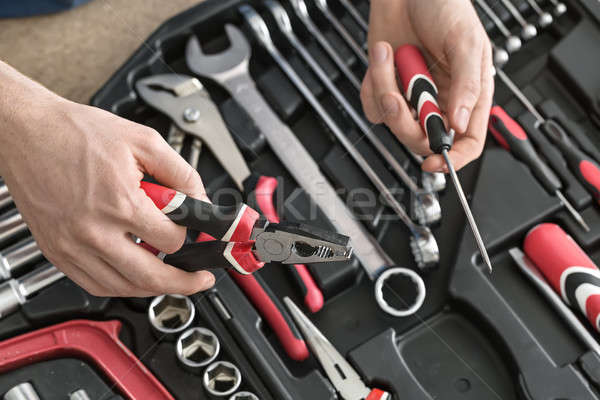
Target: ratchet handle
{"x":510,"y":135}
{"x":583,"y":166}
{"x":262,"y":191}
{"x":421,"y":92}
{"x":228,"y":223}
{"x":567,"y":268}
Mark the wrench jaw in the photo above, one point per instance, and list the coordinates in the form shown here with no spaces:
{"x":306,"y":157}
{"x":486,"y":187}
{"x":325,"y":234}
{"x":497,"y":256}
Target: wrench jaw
{"x":160,"y":91}
{"x":425,"y":208}
{"x":424,"y":248}
{"x":219,"y":67}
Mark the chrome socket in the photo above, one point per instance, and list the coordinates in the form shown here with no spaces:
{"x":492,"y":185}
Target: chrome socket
{"x":80,"y":394}
{"x":16,"y":256}
{"x":221,"y":379}
{"x":5,"y":197}
{"x":11,"y":225}
{"x":23,"y":391}
{"x":170,"y":314}
{"x":244,"y":396}
{"x":197,"y":347}
{"x":426,"y":208}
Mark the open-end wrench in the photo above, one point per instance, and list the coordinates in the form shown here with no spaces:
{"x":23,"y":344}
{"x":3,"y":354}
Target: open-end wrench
{"x":11,"y":225}
{"x":427,"y":207}
{"x":528,"y":31}
{"x":342,"y":31}
{"x":301,"y":11}
{"x":259,"y":27}
{"x":230,"y":69}
{"x":15,"y":292}
{"x":513,"y":43}
{"x":357,"y":16}
{"x":18,"y":255}
{"x":5,"y":197}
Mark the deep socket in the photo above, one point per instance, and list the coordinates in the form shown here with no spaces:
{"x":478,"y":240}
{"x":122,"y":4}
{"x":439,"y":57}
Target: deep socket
{"x":11,"y":225}
{"x":170,"y":314}
{"x":23,"y":391}
{"x":80,"y":394}
{"x":244,"y":396}
{"x":18,"y":255}
{"x":197,"y":347}
{"x":221,"y":379}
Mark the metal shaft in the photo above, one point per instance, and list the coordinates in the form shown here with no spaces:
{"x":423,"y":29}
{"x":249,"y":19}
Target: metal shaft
{"x":339,"y":134}
{"x":301,"y":10}
{"x":355,"y":14}
{"x":572,"y":210}
{"x":339,"y":28}
{"x":528,"y":31}
{"x":513,"y":43}
{"x":520,"y":95}
{"x":465,"y":206}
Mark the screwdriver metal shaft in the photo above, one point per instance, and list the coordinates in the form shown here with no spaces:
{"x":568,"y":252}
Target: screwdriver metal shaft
{"x":468,"y":213}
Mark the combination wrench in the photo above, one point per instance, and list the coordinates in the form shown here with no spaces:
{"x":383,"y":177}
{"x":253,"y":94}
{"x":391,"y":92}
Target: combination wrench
{"x":259,"y":27}
{"x":230,"y":69}
{"x":426,"y":205}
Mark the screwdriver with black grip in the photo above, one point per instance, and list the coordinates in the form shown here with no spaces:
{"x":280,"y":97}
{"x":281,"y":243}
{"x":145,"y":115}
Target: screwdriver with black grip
{"x":422,"y":92}
{"x":513,"y":138}
{"x":583,"y":166}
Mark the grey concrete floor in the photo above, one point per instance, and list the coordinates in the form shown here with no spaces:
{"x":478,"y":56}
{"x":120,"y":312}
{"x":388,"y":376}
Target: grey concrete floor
{"x":73,"y":53}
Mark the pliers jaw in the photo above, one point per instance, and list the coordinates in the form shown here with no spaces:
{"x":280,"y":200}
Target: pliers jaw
{"x":289,"y":243}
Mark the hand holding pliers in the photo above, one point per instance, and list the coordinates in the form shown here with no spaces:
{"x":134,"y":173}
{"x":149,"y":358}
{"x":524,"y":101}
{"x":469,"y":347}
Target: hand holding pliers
{"x":244,"y":240}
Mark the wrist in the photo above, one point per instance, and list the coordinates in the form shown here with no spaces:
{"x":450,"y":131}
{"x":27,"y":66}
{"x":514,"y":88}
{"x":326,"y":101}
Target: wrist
{"x":24,"y":106}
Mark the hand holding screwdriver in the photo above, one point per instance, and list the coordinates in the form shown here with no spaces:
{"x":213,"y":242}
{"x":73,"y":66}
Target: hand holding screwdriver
{"x":422,"y":93}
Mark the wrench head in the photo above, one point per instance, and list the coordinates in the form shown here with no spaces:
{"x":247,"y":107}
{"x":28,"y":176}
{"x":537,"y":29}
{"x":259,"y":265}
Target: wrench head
{"x":161,"y":91}
{"x":217,"y":66}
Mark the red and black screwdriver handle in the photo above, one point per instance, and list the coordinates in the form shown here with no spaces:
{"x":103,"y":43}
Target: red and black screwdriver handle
{"x":568,"y":269}
{"x":261,"y":194}
{"x":511,"y":136}
{"x":583,"y":166}
{"x":421,"y":92}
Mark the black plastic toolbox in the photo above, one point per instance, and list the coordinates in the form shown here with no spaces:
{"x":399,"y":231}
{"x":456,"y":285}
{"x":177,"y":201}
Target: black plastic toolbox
{"x":476,"y":337}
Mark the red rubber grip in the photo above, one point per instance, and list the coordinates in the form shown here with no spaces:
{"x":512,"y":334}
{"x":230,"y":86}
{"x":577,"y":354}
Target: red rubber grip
{"x":264,"y":192}
{"x":568,"y":269}
{"x":160,"y":195}
{"x":293,"y":346}
{"x":497,"y":114}
{"x":410,"y":63}
{"x":378,"y":394}
{"x":96,"y":342}
{"x":590,"y":172}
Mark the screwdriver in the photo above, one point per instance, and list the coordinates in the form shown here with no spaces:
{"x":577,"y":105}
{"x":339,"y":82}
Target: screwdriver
{"x":583,"y":166}
{"x":513,"y":138}
{"x":422,"y":94}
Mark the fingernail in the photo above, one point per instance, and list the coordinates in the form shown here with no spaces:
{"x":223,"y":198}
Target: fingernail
{"x":389,"y":106}
{"x":462,"y":119}
{"x":210,"y":280}
{"x":380,"y":53}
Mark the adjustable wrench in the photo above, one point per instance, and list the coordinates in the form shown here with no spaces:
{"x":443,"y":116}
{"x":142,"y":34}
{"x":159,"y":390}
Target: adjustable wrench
{"x":16,"y":256}
{"x":426,"y":205}
{"x":230,"y":69}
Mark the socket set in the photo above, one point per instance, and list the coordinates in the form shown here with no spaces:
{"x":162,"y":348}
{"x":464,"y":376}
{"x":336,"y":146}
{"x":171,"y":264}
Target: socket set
{"x":451,"y":330}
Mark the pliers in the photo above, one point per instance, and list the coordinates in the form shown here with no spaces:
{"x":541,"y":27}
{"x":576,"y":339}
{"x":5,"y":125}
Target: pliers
{"x":344,"y":378}
{"x":244,"y":240}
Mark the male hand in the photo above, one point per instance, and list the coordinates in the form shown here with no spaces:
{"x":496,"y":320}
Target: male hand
{"x":460,"y":59}
{"x":74,"y":172}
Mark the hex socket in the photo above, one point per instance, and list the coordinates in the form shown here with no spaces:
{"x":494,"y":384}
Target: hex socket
{"x":16,"y":256}
{"x":244,"y":396}
{"x":23,"y":391}
{"x":170,"y":314}
{"x":221,"y":379}
{"x":196,"y":348}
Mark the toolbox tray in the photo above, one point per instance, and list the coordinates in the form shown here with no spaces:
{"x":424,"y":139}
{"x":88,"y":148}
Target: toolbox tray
{"x":474,"y":334}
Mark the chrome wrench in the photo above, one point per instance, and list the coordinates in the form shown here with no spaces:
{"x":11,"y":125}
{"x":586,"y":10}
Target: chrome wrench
{"x":422,"y":240}
{"x":427,"y":207}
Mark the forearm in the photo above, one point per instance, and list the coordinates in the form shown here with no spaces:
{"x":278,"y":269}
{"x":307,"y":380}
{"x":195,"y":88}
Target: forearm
{"x":23,"y":105}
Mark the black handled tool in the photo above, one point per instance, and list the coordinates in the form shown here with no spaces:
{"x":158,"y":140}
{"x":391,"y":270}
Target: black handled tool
{"x":422,"y":94}
{"x":513,"y":138}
